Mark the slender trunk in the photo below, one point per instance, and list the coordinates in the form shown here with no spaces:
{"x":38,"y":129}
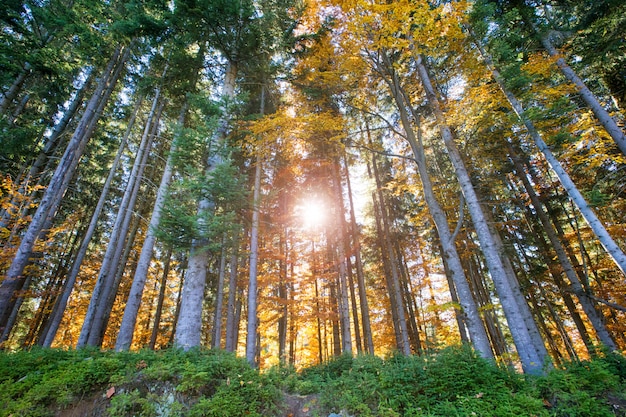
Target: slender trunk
{"x":159,"y":309}
{"x":57,"y":186}
{"x":614,"y":251}
{"x":508,"y":292}
{"x":394,"y":281}
{"x":188,"y":328}
{"x":216,"y":340}
{"x":254,"y":257}
{"x":365,"y":311}
{"x":61,"y":303}
{"x":127,"y":328}
{"x":231,"y":324}
{"x":471,"y":315}
{"x":282,"y":289}
{"x":343,"y":303}
{"x":603,"y":116}
{"x":585,"y":301}
{"x":177,"y":310}
{"x":92,"y":326}
{"x":14,"y":90}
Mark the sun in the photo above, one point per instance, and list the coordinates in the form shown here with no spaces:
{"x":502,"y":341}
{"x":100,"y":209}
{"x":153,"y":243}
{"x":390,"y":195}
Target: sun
{"x":313,"y":212}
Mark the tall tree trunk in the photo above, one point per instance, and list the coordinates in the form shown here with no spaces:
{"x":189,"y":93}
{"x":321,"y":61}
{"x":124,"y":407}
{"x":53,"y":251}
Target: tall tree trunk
{"x":159,"y":308}
{"x":13,"y":91}
{"x":508,"y":292}
{"x":343,"y":300}
{"x":471,"y":315}
{"x":127,"y":328}
{"x":232,"y":325}
{"x":92,"y":327}
{"x":216,"y":339}
{"x":365,"y":311}
{"x":283,"y":292}
{"x":585,"y":301}
{"x":614,"y":251}
{"x":603,"y":116}
{"x":188,"y":328}
{"x":58,"y":185}
{"x":394,"y":280}
{"x":68,"y":287}
{"x":253,"y":320}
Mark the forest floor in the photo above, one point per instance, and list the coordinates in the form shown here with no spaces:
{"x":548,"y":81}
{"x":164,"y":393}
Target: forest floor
{"x":96,"y":405}
{"x":452,"y":381}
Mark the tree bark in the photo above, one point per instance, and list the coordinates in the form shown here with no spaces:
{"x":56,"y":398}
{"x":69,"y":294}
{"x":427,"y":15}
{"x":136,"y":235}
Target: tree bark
{"x":58,"y":185}
{"x":614,"y":251}
{"x":471,"y":316}
{"x":127,"y":328}
{"x":188,"y":328}
{"x":253,"y":320}
{"x":59,"y":308}
{"x":216,"y":339}
{"x":159,"y":308}
{"x":232,"y":325}
{"x":365,"y":311}
{"x":508,"y":292}
{"x":91,"y":331}
{"x":585,"y":301}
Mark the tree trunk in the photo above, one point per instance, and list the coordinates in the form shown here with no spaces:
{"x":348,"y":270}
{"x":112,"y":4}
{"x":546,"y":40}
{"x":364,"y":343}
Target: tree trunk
{"x":365,"y":312}
{"x":567,"y":267}
{"x":253,"y":320}
{"x":127,"y":328}
{"x":232,"y":325}
{"x":68,"y":287}
{"x":586,"y":211}
{"x":13,"y":91}
{"x":92,"y":326}
{"x":603,"y":116}
{"x":471,"y":315}
{"x":394,"y":280}
{"x":188,"y":328}
{"x":57,"y":186}
{"x":508,"y":292}
{"x":343,"y":300}
{"x":159,"y":308}
{"x":216,"y":339}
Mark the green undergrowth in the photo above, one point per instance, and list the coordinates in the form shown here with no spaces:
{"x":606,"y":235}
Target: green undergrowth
{"x":457,"y":382}
{"x":452,"y":382}
{"x":168,"y":383}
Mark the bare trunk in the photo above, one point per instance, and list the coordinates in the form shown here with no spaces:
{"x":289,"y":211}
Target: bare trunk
{"x":59,"y":308}
{"x":508,"y":292}
{"x":92,"y":326}
{"x":188,"y":328}
{"x":470,"y":313}
{"x":394,"y":280}
{"x":216,"y":340}
{"x":57,"y":185}
{"x":603,"y":116}
{"x":586,"y":211}
{"x":159,"y":308}
{"x":127,"y":328}
{"x":365,"y":311}
{"x":14,"y":90}
{"x":343,"y":301}
{"x":253,"y":320}
{"x":232,"y":324}
{"x":567,"y":267}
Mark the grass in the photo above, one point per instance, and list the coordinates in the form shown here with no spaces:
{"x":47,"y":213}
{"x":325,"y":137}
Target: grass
{"x":452,"y":382}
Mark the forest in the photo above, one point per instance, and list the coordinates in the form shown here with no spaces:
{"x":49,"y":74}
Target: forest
{"x":296,"y":181}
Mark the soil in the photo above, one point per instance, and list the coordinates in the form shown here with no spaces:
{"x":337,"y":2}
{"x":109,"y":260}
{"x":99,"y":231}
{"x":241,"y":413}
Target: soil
{"x":95,"y":405}
{"x":295,"y":405}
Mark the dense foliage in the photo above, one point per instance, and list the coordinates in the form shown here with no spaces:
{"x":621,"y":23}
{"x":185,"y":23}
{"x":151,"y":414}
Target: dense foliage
{"x":454,"y":381}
